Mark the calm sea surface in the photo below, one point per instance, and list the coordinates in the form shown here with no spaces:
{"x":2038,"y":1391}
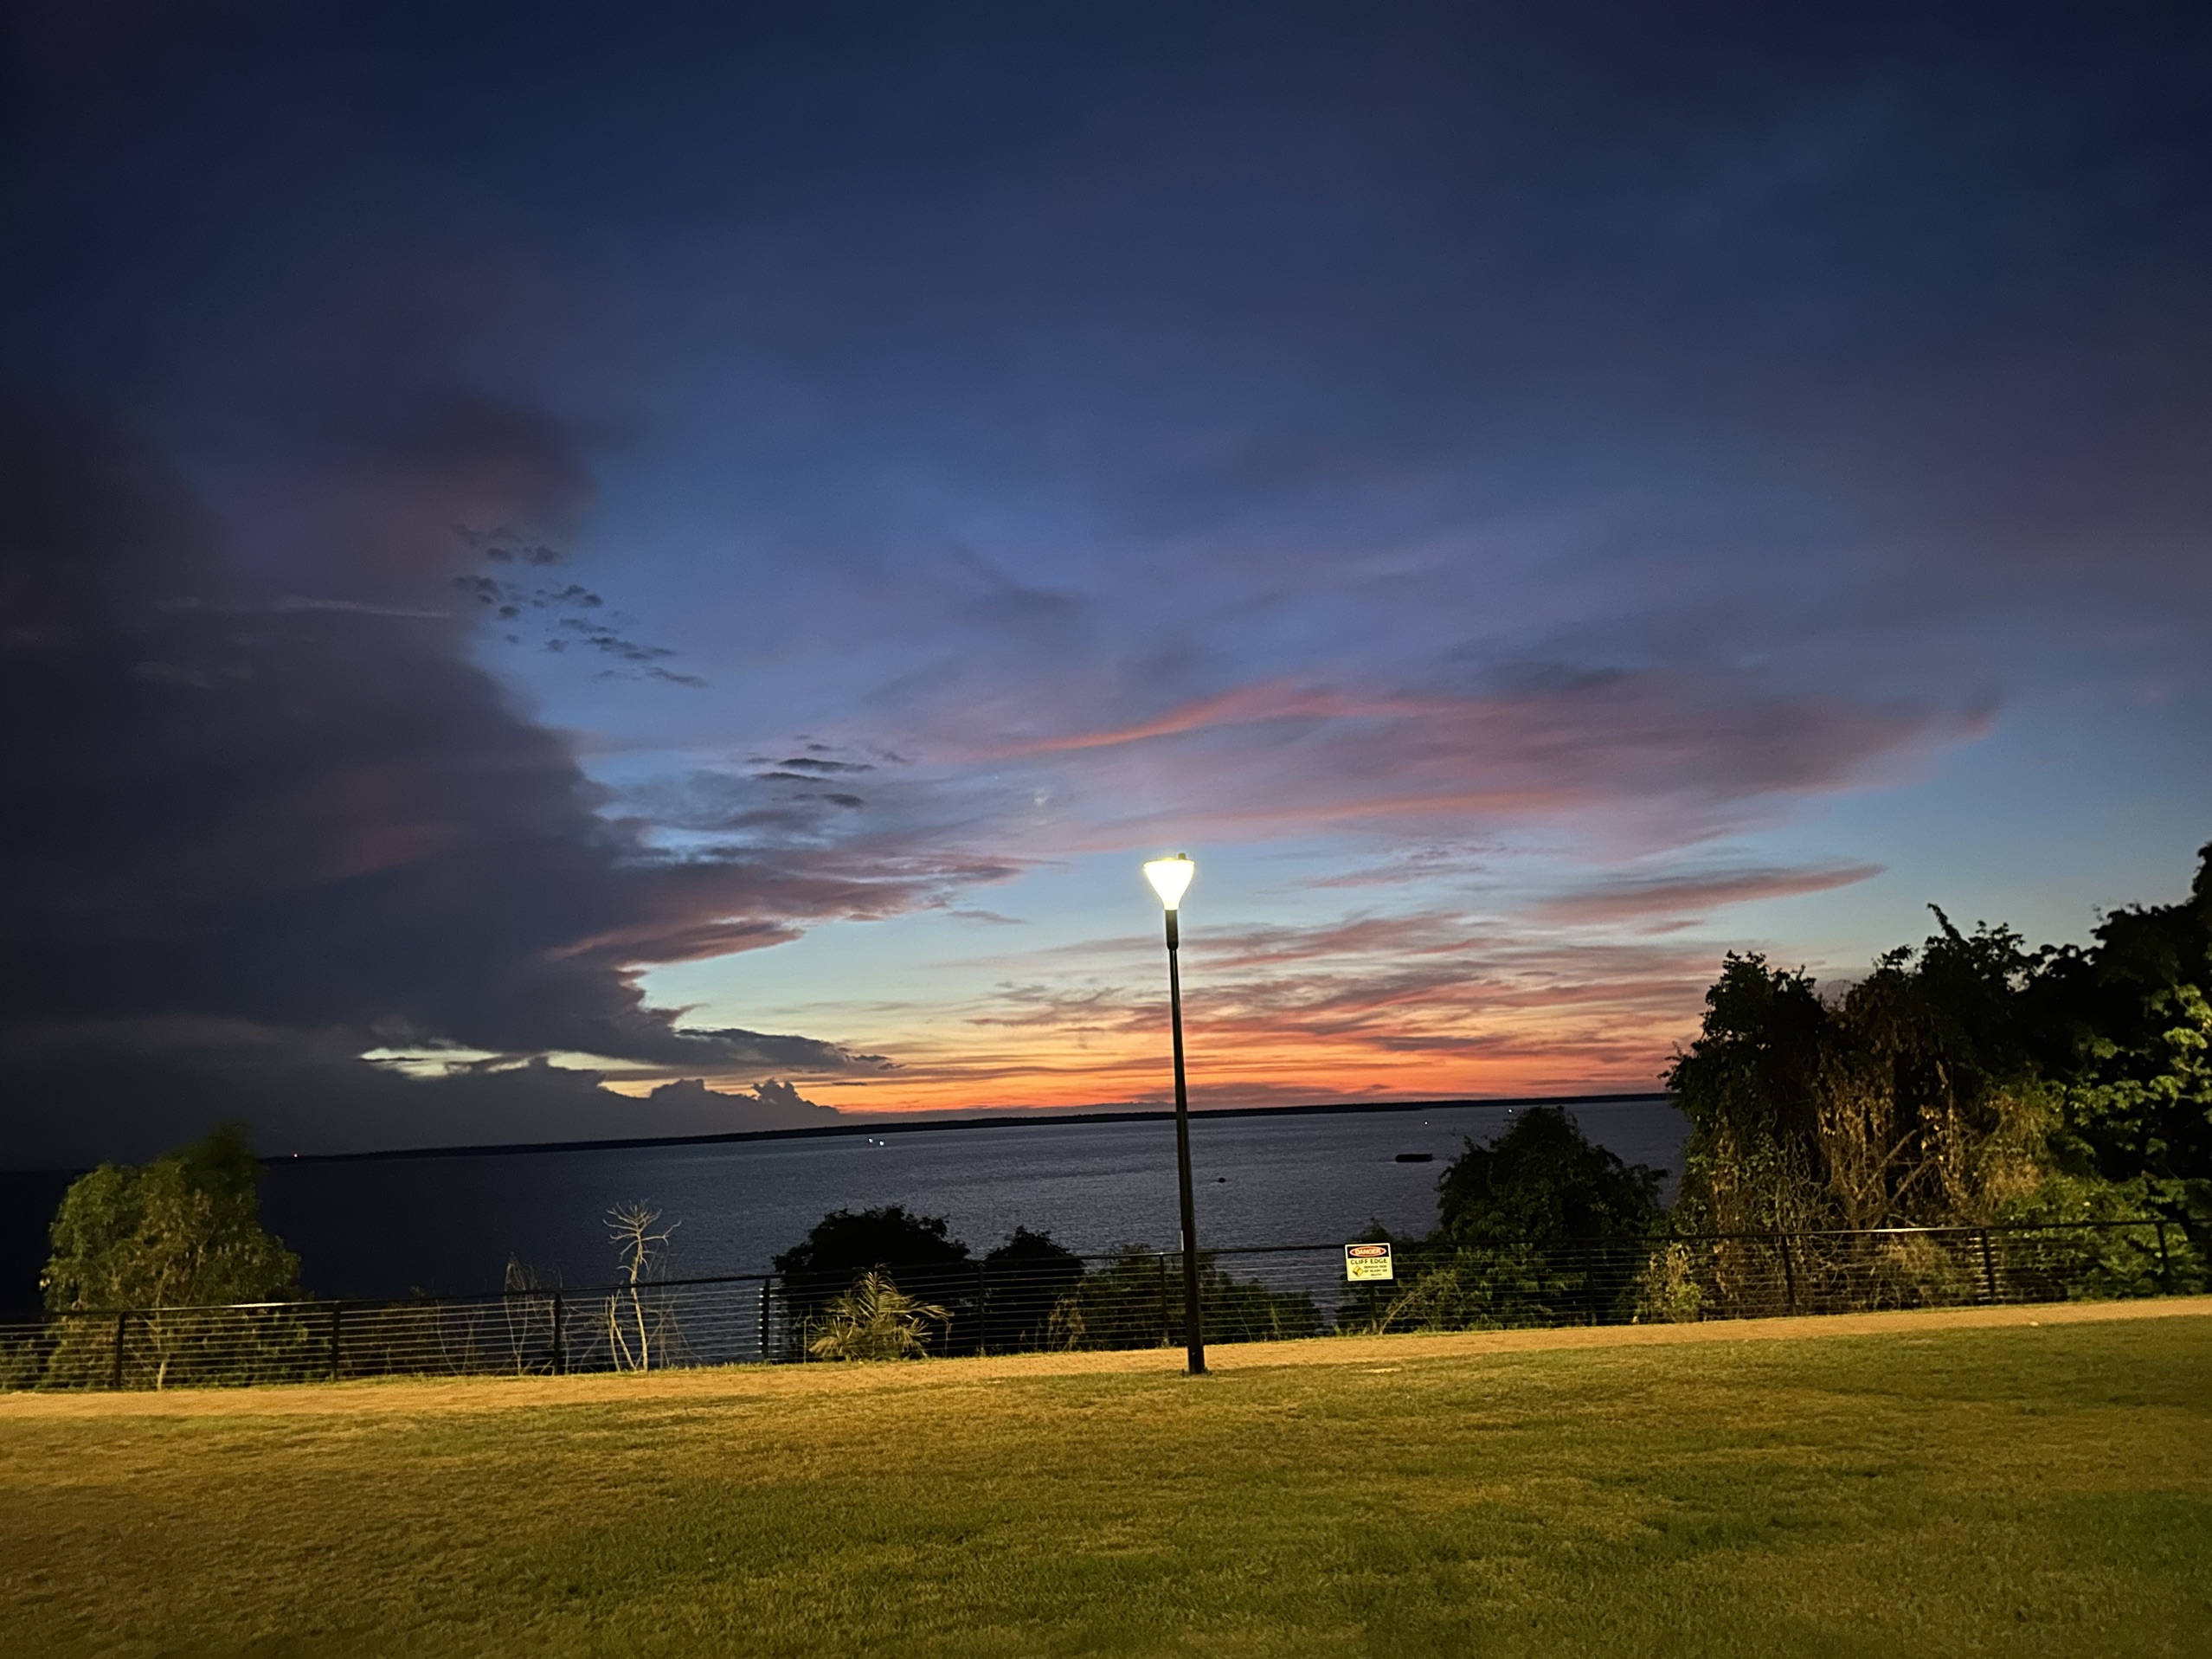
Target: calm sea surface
{"x":447,"y":1225}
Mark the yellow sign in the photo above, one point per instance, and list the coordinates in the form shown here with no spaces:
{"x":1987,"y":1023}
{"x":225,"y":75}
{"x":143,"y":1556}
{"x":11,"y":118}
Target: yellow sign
{"x":1367,"y":1262}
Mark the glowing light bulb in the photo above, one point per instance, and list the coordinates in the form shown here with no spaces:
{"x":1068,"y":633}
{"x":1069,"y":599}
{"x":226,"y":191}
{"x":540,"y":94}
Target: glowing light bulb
{"x":1170,"y":877}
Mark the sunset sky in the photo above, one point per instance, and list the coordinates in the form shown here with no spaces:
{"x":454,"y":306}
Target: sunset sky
{"x":564,"y":549}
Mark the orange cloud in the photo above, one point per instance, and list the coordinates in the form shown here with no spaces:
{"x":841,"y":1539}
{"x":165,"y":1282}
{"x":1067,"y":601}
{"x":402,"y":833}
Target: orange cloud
{"x":1417,"y":1005}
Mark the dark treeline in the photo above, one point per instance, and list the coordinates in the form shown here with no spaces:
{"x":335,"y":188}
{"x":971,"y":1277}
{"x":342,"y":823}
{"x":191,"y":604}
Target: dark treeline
{"x":885,"y":1283}
{"x":1965,"y":1081}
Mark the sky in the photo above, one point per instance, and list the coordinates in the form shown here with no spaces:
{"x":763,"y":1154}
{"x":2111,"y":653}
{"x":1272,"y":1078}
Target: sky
{"x":577,"y":571}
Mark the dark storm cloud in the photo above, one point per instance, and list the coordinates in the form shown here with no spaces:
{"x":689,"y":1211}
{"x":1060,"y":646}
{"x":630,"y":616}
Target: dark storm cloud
{"x":246,"y":838}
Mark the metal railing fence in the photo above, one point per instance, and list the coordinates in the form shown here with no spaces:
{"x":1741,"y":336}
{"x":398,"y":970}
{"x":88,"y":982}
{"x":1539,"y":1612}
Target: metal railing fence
{"x":1129,"y":1298}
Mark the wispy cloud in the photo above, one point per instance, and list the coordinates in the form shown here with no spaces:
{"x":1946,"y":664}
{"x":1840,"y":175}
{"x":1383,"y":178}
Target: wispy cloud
{"x":1660,"y":755}
{"x":1627,"y":898}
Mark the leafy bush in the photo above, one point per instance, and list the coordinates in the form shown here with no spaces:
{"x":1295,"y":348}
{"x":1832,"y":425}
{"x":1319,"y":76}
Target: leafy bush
{"x":1136,"y":1301}
{"x":846,"y":1244}
{"x":1668,"y":1289}
{"x":1023,"y":1280}
{"x":875,"y":1319}
{"x":2094,"y":1263}
{"x":1490,"y":1288}
{"x":1538,"y":1227}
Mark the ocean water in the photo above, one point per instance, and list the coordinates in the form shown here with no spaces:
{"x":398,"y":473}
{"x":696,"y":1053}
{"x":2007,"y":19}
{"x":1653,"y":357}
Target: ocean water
{"x":447,"y":1225}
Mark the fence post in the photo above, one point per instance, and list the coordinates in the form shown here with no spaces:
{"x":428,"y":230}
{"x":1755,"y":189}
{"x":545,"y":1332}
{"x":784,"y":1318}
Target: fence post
{"x":765,"y":1288}
{"x":2166,"y":1264}
{"x":1789,"y":1274}
{"x":122,"y":1330}
{"x":338,"y":1325}
{"x":982,"y":1318}
{"x":1988,"y":1269}
{"x":1167,"y":1334}
{"x":560,"y":1349}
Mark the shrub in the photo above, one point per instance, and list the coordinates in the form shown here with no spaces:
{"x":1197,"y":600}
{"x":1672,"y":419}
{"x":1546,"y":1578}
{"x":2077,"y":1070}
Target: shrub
{"x":1136,"y":1301}
{"x":875,"y":1319}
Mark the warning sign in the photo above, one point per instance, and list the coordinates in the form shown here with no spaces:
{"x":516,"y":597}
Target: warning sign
{"x":1367,"y":1262}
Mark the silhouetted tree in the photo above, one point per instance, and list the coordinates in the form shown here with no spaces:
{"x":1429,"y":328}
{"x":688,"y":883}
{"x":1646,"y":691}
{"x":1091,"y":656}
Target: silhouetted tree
{"x":1966,"y":1081}
{"x":1544,"y":1182}
{"x":1915,"y":1098}
{"x":913,"y":1251}
{"x":1023,"y":1279}
{"x":1539,"y":1226}
{"x":1750,"y":1087}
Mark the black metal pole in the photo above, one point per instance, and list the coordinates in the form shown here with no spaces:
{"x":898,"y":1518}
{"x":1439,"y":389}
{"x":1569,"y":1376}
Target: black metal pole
{"x":1194,"y":1319}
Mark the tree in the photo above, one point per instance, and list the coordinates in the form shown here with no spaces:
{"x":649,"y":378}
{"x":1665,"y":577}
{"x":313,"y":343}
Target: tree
{"x":636,"y":1327}
{"x":1749,"y":1085}
{"x":182,"y":1231}
{"x":1024,"y":1279}
{"x":846,"y":1245}
{"x":1963,"y":1082}
{"x":1931,"y":1109}
{"x":2129,"y":1025}
{"x":1913,"y":1098}
{"x":1544,"y":1182}
{"x":1539,"y":1225}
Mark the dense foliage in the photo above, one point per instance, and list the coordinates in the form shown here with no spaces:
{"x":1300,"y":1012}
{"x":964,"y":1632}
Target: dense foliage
{"x":1135,"y":1299}
{"x":1025,"y":1278}
{"x":875,"y":1319}
{"x":885,"y":1282}
{"x":1544,"y":1182}
{"x":912,"y":1253}
{"x":183,"y":1231}
{"x":1965,"y":1081}
{"x":1539,"y":1226}
{"x":2129,"y":1025}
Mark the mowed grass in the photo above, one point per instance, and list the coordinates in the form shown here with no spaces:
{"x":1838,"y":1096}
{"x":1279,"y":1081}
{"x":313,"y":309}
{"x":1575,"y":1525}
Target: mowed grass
{"x":2024,"y":1490}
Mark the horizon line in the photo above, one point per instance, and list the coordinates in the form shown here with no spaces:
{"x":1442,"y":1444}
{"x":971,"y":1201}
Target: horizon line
{"x":1020,"y":1115}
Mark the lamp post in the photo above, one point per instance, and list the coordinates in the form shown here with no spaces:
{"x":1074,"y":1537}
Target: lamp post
{"x":1169,"y":878}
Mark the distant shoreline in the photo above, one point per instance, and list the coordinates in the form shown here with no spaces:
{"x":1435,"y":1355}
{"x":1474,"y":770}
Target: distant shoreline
{"x":892,"y":1126}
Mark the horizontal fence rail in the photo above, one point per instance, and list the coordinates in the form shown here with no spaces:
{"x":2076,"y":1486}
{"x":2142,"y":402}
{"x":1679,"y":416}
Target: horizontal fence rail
{"x":1131,"y":1298}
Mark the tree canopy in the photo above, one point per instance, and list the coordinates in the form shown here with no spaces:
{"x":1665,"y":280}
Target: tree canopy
{"x":1543,"y":1182}
{"x":846,"y":1243}
{"x":1963,"y":1080}
{"x":183,"y":1231}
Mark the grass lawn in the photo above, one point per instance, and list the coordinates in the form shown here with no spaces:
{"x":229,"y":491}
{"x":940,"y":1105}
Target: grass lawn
{"x":1923,"y":1491}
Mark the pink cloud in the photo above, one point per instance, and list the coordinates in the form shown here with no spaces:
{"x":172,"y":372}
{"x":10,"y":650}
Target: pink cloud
{"x":1675,"y":896}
